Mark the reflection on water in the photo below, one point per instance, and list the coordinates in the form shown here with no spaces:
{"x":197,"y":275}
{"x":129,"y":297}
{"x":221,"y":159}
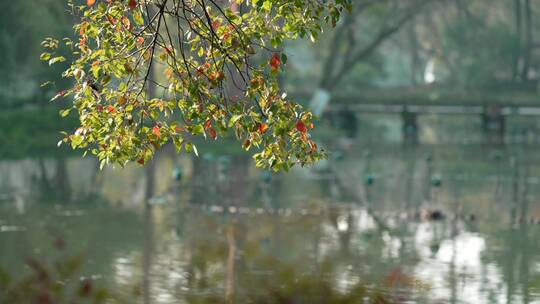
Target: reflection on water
{"x":438,"y":224}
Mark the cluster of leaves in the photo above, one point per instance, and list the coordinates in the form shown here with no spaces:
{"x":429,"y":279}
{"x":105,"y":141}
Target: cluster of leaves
{"x":213,"y":63}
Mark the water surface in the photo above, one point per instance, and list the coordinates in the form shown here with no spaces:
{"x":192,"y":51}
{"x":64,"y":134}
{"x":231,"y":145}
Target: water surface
{"x":432,"y":224}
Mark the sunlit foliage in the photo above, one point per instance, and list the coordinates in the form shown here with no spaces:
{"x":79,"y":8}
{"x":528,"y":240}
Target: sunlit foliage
{"x":151,"y":72}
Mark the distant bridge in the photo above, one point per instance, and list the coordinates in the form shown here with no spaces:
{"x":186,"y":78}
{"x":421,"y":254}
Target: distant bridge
{"x":430,"y":99}
{"x":492,"y":106}
{"x":434,"y":109}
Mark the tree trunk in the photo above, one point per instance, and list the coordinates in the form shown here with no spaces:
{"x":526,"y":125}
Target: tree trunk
{"x":62,"y":188}
{"x":149,"y":189}
{"x":415,"y":59}
{"x":528,"y":41}
{"x":517,"y":52}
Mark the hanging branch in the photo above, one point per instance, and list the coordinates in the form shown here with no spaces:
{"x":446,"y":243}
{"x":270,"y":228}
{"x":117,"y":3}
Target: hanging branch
{"x":202,"y":50}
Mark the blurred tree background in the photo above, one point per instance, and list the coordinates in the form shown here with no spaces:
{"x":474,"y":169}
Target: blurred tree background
{"x":474,"y":44}
{"x":25,"y":25}
{"x":30,"y":123}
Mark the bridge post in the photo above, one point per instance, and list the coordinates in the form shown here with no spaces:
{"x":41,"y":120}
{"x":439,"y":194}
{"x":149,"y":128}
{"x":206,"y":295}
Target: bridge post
{"x":345,"y":120}
{"x":409,"y":127}
{"x":493,"y":124}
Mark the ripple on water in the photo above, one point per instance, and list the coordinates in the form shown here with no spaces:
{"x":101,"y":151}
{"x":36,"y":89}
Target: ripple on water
{"x":71,"y":213}
{"x":11,"y":228}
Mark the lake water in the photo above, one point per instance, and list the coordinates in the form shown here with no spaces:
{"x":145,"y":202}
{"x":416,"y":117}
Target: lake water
{"x":432,"y":224}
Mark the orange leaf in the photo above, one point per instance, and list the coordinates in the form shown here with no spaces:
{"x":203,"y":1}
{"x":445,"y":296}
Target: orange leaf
{"x":111,"y":19}
{"x":111,"y":109}
{"x":157,"y":131}
{"x":263,"y":128}
{"x":90,"y":2}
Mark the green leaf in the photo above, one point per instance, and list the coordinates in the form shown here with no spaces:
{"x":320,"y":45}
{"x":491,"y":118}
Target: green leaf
{"x":56,"y":60}
{"x":284,"y":58}
{"x":117,"y":114}
{"x":198,"y":129}
{"x":137,"y":16}
{"x":234,"y":119}
{"x":65,"y":112}
{"x":267,"y":5}
{"x":45,"y":56}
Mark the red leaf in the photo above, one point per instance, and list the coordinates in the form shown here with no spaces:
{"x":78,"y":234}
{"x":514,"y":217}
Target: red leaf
{"x":90,"y":2}
{"x":275,"y":61}
{"x":126,"y":23}
{"x":85,"y":288}
{"x":247,"y":144}
{"x":141,"y":161}
{"x":132,"y":4}
{"x":301,"y":127}
{"x":59,"y":243}
{"x":213,"y":133}
{"x":207,"y":124}
{"x":216,"y":24}
{"x":397,"y":277}
{"x":157,"y":131}
{"x":61,"y":94}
